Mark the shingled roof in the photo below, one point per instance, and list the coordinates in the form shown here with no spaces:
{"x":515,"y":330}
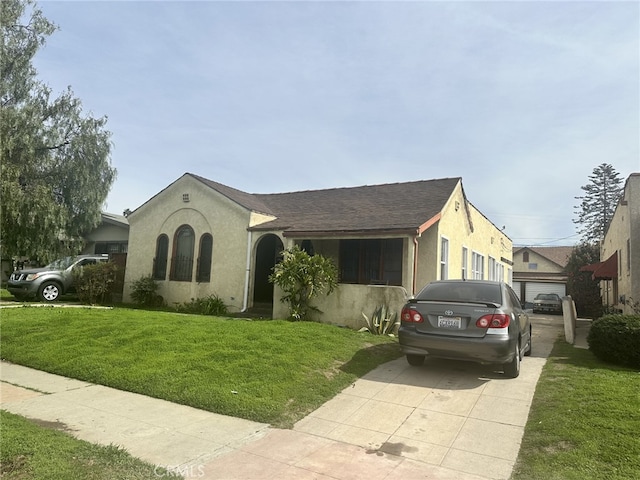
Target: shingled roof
{"x":392,"y":207}
{"x":558,"y":255}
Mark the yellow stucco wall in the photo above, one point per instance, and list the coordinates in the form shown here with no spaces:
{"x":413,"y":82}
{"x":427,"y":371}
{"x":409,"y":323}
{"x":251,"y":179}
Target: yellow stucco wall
{"x":206,"y":212}
{"x":462,"y":225}
{"x":623,"y":236}
{"x":542,"y":264}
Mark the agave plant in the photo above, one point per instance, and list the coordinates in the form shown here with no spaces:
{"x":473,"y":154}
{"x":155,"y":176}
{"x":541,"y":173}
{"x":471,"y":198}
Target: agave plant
{"x":382,"y":322}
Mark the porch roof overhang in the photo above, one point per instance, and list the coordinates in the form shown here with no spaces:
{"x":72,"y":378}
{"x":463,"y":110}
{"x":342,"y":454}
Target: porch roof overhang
{"x":300,"y":234}
{"x":338,"y":232}
{"x":606,"y":270}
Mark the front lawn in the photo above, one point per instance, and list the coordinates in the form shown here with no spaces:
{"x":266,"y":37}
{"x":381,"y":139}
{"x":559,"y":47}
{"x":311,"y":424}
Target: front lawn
{"x":274,"y":372}
{"x":584,"y":421}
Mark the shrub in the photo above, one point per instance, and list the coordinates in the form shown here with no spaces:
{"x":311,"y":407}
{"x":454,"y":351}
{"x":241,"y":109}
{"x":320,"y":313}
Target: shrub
{"x":94,"y":283}
{"x":616,"y":339}
{"x":302,"y":277}
{"x":144,"y":292}
{"x":382,"y":322}
{"x":211,"y":305}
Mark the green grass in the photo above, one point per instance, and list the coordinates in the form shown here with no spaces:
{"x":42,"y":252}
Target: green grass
{"x":5,"y":295}
{"x":584,"y":421}
{"x":268,"y":371}
{"x":31,"y":451}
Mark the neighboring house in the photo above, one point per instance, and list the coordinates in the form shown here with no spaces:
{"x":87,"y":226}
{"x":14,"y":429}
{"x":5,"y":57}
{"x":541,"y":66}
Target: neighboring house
{"x":198,"y":237}
{"x":540,"y":270}
{"x":110,"y":236}
{"x":619,"y":268}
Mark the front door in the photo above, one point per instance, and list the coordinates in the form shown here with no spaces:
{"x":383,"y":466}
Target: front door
{"x":268,"y":253}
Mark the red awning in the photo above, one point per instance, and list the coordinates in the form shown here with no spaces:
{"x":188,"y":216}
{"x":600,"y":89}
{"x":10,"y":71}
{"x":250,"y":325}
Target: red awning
{"x":606,"y":270}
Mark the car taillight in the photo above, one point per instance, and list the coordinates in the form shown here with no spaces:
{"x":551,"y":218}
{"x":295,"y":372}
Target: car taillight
{"x":494,"y":320}
{"x":411,"y":315}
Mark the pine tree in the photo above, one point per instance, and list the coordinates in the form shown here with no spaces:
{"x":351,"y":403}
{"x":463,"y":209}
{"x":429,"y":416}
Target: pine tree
{"x":598,"y":203}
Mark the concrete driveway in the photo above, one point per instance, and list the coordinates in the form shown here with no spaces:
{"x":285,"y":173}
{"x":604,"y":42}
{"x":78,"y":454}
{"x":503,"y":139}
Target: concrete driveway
{"x":443,"y":420}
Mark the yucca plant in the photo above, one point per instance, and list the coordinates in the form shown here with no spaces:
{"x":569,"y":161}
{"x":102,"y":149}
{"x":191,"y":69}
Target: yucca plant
{"x":382,"y":322}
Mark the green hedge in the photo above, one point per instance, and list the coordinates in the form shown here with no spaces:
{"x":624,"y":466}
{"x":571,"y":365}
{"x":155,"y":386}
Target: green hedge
{"x":616,"y":339}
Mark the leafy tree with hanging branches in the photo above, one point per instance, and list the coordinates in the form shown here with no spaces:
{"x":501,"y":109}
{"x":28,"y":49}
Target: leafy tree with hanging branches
{"x":598,"y":203}
{"x":54,"y":159}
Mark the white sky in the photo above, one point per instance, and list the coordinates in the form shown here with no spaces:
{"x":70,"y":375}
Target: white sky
{"x":520,"y":99}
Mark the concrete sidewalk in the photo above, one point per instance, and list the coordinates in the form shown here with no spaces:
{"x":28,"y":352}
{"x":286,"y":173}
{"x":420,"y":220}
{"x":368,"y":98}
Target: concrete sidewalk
{"x":444,"y":420}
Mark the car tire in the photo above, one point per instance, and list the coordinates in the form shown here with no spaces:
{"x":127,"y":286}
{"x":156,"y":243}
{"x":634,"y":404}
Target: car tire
{"x":527,"y":352}
{"x":512,"y":369}
{"x":415,"y":360}
{"x":49,"y":292}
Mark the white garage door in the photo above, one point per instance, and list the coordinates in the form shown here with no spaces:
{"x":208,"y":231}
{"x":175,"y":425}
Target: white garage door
{"x":534,"y":288}
{"x":516,"y":288}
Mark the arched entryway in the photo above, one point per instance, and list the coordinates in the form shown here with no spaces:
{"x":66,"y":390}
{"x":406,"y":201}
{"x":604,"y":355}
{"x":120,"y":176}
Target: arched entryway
{"x":268,"y":252}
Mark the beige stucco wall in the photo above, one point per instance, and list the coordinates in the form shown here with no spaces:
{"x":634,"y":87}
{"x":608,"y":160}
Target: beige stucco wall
{"x":623,"y":236}
{"x":105,"y":233}
{"x":346,"y":305}
{"x":463,"y":225}
{"x":206,"y":212}
{"x":543,"y":264}
{"x":210,"y":212}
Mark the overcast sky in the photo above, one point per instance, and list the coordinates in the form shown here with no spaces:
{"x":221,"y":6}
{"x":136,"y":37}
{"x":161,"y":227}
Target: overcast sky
{"x":520,"y":99}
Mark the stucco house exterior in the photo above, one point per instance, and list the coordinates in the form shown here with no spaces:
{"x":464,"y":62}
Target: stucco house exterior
{"x":110,"y":236}
{"x":198,"y":237}
{"x":540,"y":270}
{"x":619,"y":267}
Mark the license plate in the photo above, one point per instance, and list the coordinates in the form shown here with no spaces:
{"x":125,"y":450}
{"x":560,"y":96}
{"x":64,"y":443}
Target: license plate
{"x":449,"y":322}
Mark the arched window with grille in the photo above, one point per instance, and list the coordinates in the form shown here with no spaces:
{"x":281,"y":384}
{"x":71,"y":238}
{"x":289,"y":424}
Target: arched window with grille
{"x":203,"y":272}
{"x":182,"y":260}
{"x":160,"y":260}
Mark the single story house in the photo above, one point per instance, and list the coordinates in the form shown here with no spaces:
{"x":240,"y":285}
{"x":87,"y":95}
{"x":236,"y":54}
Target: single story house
{"x":198,"y":237}
{"x":110,"y":236}
{"x":540,"y":270}
{"x":619,"y":266}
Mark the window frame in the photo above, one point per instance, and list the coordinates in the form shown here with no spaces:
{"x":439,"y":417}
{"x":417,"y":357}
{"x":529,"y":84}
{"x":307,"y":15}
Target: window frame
{"x":159,"y":271}
{"x":444,"y":258}
{"x":183,"y":254}
{"x":205,"y":259}
{"x":360,"y":258}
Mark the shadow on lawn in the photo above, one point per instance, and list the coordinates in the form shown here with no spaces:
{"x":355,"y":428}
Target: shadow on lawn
{"x":366,"y":359}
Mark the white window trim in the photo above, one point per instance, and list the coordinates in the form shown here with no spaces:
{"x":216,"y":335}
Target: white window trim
{"x":444,"y":258}
{"x":477,"y":268}
{"x":465,"y":263}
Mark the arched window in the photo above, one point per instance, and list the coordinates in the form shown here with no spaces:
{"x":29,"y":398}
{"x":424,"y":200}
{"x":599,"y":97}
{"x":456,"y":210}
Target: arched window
{"x":160,"y":261}
{"x":182,"y":260}
{"x":204,"y":260}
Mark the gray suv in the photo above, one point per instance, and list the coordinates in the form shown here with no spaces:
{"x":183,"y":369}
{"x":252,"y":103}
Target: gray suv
{"x":48,"y":283}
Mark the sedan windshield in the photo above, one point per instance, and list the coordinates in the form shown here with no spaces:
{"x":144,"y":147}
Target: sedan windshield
{"x":461,"y":292}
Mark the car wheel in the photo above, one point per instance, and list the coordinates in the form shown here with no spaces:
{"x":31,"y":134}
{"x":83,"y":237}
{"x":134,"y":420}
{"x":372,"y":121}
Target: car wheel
{"x":527,"y":352}
{"x":415,"y":360}
{"x":49,"y":292}
{"x":512,"y":369}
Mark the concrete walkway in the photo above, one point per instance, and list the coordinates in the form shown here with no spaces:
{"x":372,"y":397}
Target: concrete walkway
{"x":444,"y":420}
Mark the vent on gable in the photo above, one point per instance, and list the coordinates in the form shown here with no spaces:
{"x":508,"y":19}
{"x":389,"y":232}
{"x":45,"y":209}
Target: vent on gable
{"x":185,"y":197}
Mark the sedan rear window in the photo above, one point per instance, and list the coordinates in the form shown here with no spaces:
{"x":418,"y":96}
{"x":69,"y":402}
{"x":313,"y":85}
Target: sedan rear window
{"x":461,"y":292}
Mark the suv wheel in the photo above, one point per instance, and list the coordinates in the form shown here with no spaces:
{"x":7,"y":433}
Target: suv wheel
{"x":49,"y":292}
